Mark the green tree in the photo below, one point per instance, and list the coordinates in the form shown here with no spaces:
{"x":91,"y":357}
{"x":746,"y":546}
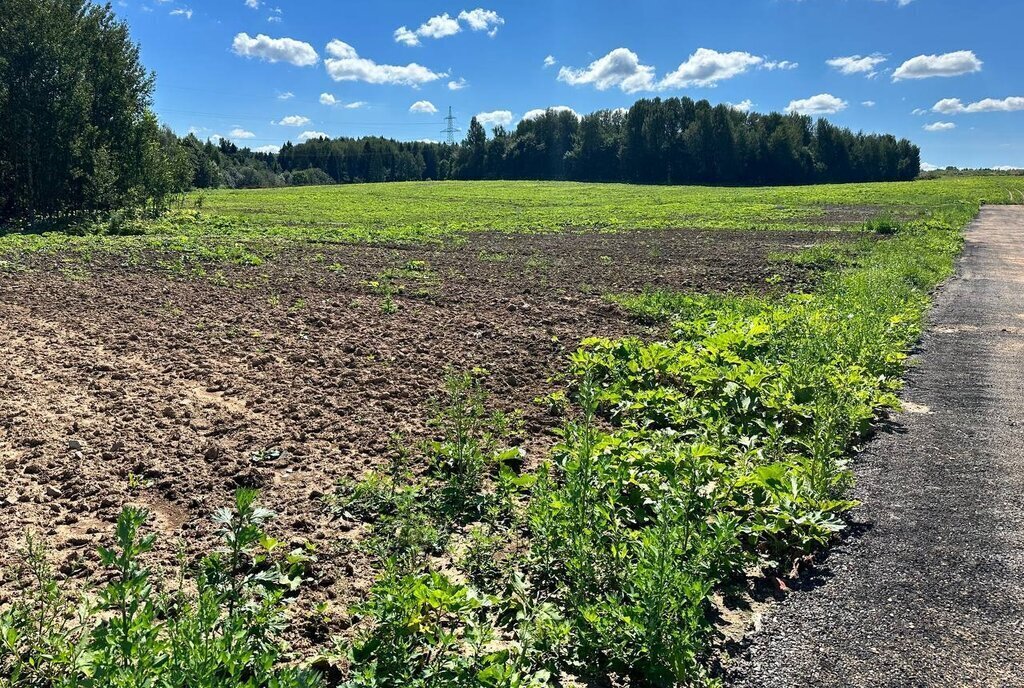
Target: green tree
{"x":78,"y":137}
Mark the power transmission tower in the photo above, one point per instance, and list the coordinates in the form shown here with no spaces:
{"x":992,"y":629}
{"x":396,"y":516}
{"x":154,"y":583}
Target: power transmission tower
{"x":449,"y":131}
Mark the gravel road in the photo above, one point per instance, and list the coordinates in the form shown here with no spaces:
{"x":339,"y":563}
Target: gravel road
{"x":931,"y":593}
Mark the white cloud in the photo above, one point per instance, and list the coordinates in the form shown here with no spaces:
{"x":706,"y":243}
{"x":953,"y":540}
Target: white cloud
{"x":307,"y":135}
{"x":550,"y":61}
{"x":742,"y":106}
{"x":404,"y":35}
{"x":948,"y":64}
{"x":423,"y":106}
{"x":868,"y":103}
{"x":821,"y":104}
{"x":274,"y":19}
{"x":928,"y":167}
{"x":330,"y":101}
{"x":919,"y":111}
{"x":706,"y":66}
{"x":534,"y":114}
{"x":287,"y":95}
{"x":187,"y":13}
{"x":781,"y":64}
{"x":939,"y":126}
{"x":239,"y":133}
{"x":857,"y":64}
{"x":293,"y":121}
{"x":270,"y":49}
{"x":346,"y":65}
{"x":953,"y":106}
{"x":252,"y":4}
{"x":440,"y":26}
{"x":1007,"y":168}
{"x":270,"y":148}
{"x":444,"y":25}
{"x":495,"y":118}
{"x":457,"y":84}
{"x":621,"y":67}
{"x":482,"y":20}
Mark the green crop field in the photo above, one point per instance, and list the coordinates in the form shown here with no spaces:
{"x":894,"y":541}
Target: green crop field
{"x":430,"y":211}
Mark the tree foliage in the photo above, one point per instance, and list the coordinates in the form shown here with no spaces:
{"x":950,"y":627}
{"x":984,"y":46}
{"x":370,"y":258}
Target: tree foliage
{"x":672,"y":141}
{"x":77,"y":135}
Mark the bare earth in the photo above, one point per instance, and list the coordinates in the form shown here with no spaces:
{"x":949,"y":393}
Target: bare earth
{"x":931,"y":592}
{"x":121,"y":384}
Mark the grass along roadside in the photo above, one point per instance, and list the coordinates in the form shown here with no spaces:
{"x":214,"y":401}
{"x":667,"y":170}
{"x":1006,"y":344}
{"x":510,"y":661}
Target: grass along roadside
{"x":684,"y":463}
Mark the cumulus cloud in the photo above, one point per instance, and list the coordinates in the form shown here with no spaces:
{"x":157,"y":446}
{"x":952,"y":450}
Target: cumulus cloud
{"x":868,"y":103}
{"x":482,"y":20}
{"x":494,"y":118}
{"x":293,"y":121}
{"x":239,"y":133}
{"x":550,"y":61}
{"x":329,"y":100}
{"x":307,"y":135}
{"x":444,"y":25}
{"x":287,"y":95}
{"x":928,"y":167}
{"x":355,"y":105}
{"x":621,"y":67}
{"x":404,"y":35}
{"x":706,"y":66}
{"x":423,"y":106}
{"x":270,"y":148}
{"x":947,"y":64}
{"x":180,"y":12}
{"x":857,"y":64}
{"x":954,"y":106}
{"x":534,"y":114}
{"x":939,"y":126}
{"x":346,"y":65}
{"x":821,"y":104}
{"x":252,"y":4}
{"x":270,"y":49}
{"x":457,"y":84}
{"x":742,"y":106}
{"x":781,"y":64}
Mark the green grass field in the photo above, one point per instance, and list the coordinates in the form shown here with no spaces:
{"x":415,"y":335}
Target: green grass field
{"x":431,"y":211}
{"x":427,"y":210}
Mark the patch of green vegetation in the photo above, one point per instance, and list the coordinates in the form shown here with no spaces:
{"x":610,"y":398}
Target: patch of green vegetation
{"x":684,"y":463}
{"x":248,"y":226}
{"x":219,"y":627}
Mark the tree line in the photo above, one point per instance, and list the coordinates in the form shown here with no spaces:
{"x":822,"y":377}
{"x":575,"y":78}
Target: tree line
{"x":670,"y":141}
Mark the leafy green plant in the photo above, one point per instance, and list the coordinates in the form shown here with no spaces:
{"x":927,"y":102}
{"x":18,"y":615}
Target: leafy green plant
{"x":219,"y":628}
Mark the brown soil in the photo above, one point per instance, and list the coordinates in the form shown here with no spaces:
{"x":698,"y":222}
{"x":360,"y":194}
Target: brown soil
{"x":128,"y":385}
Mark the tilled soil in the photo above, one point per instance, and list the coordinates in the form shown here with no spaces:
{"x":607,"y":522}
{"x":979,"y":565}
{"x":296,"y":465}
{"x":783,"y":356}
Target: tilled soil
{"x":930,"y":591}
{"x":124,"y":384}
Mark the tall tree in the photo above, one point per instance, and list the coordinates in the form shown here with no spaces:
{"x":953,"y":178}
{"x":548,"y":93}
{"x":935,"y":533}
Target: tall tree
{"x":77,"y":135}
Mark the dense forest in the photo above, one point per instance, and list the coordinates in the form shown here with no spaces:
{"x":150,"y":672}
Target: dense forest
{"x":671,"y":141}
{"x":79,"y":138}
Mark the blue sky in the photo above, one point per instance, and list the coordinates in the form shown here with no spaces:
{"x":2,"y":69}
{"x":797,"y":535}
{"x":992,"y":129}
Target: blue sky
{"x":944,"y":73}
